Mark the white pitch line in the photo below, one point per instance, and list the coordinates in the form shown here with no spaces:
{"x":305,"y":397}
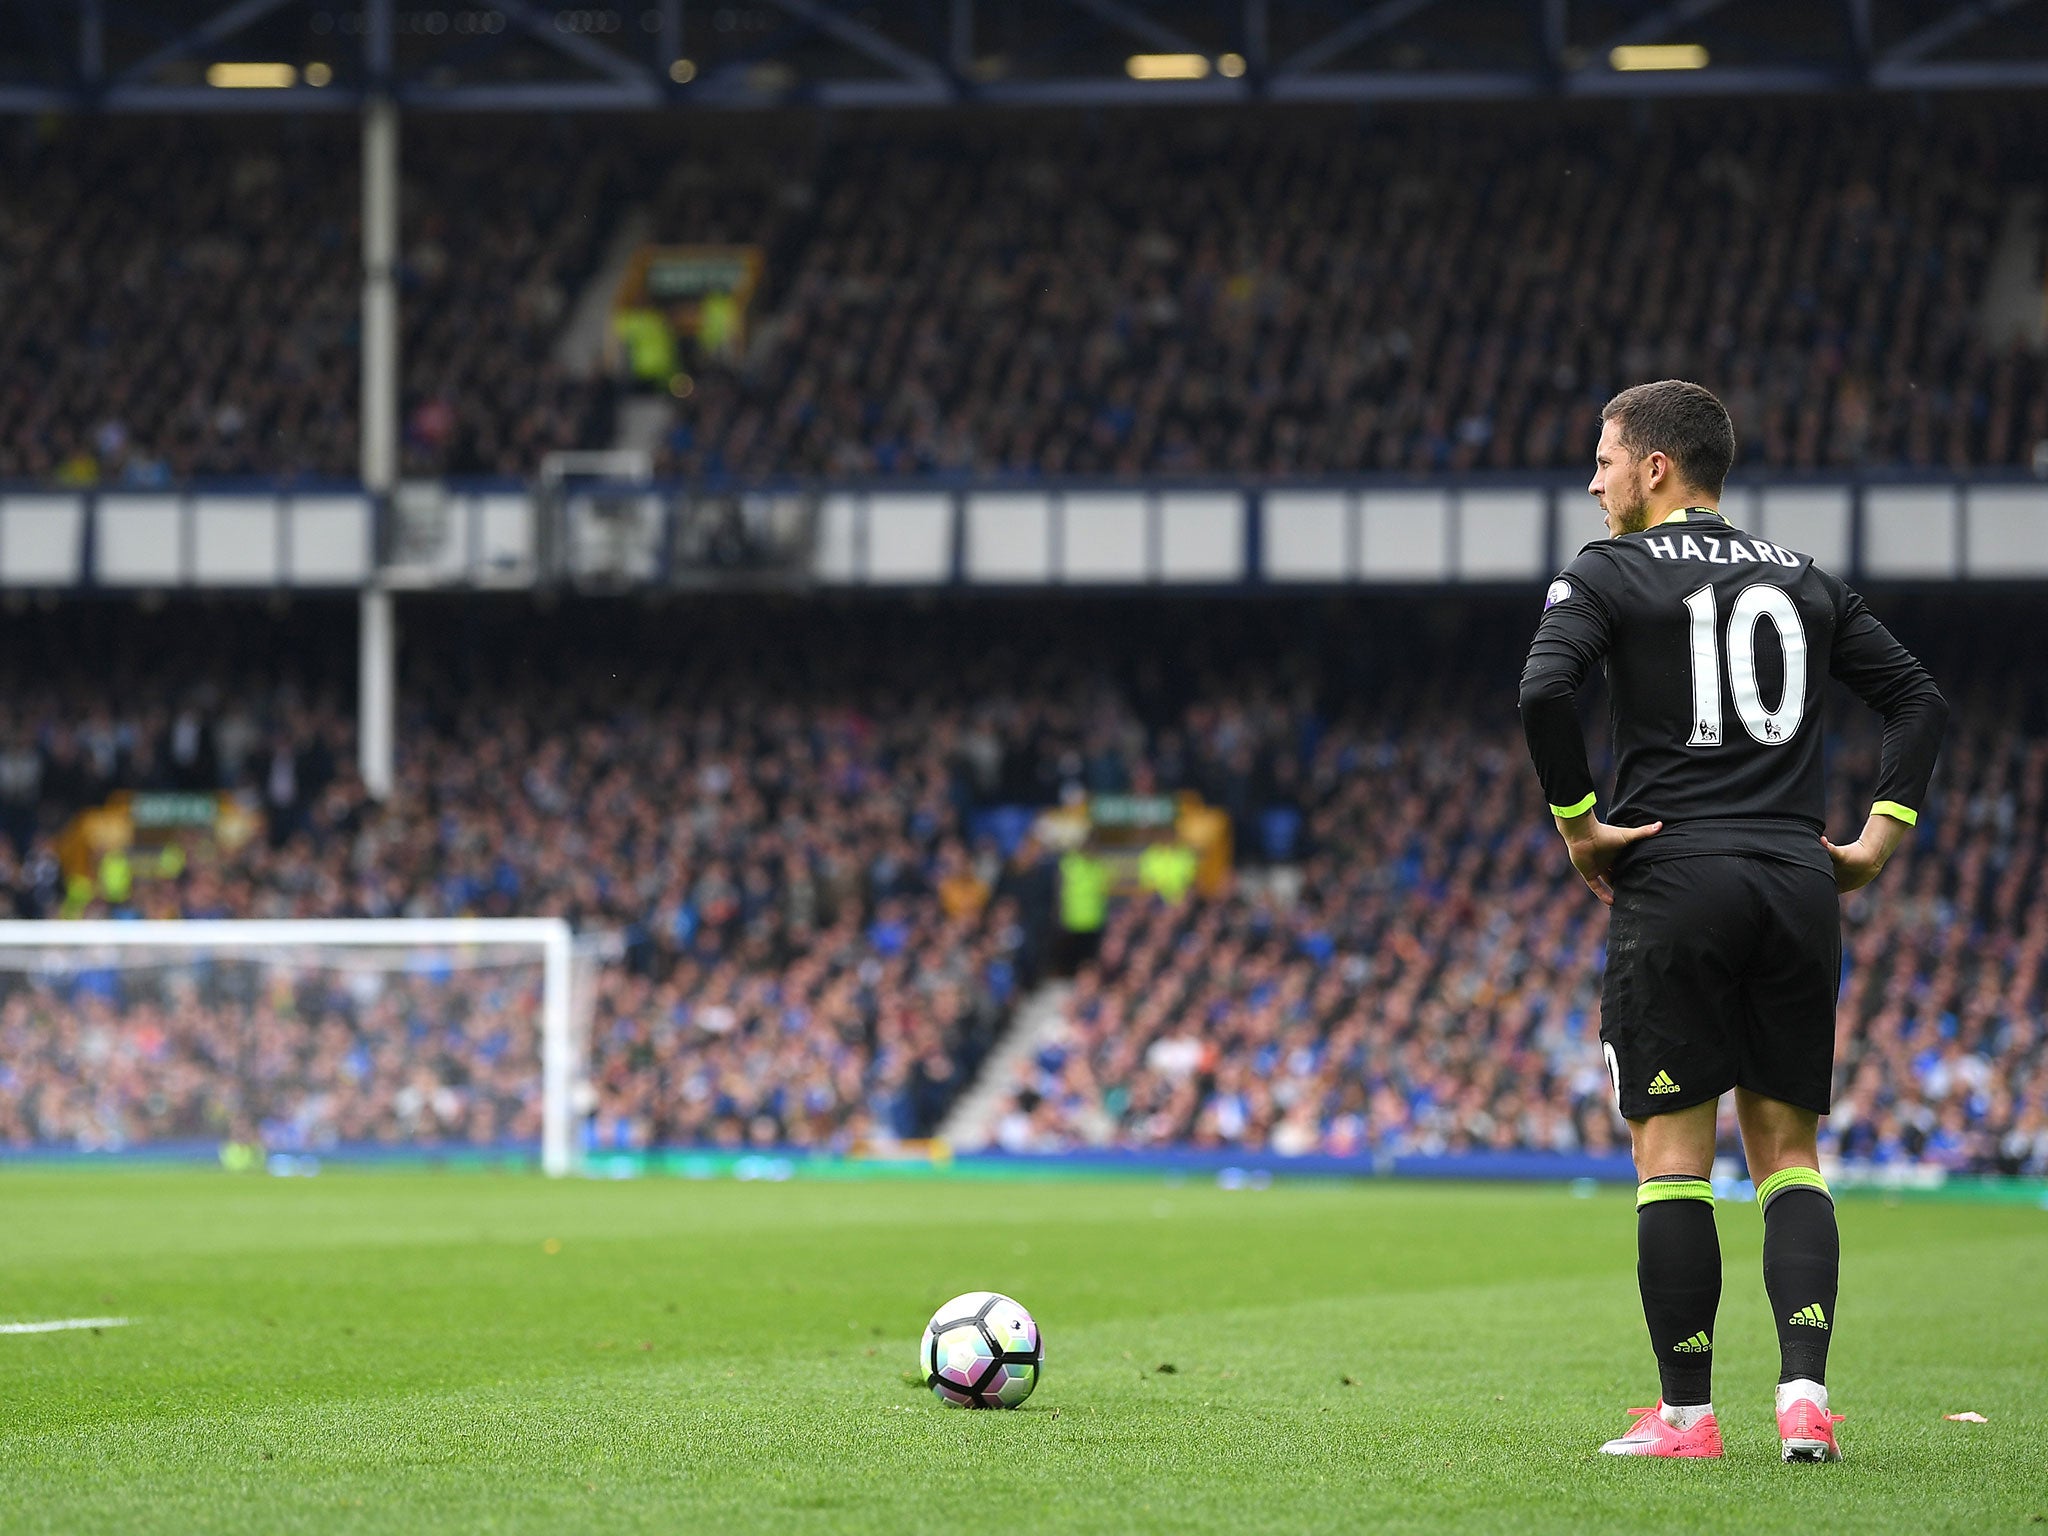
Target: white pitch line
{"x":59,"y":1324}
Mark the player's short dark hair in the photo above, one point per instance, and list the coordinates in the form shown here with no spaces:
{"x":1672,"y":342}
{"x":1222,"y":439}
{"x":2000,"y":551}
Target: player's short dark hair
{"x":1683,"y":422}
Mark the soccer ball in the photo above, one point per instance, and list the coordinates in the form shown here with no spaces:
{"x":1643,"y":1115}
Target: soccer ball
{"x":981,"y":1350}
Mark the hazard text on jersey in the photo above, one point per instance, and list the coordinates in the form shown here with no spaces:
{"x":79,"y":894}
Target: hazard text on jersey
{"x":1713,"y":551}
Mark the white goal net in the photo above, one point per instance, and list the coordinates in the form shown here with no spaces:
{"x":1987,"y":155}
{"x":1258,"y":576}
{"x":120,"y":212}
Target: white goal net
{"x":314,"y":1037}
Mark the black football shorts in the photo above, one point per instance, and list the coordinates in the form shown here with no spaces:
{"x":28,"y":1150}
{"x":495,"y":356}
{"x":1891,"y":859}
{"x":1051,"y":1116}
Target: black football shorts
{"x":1722,"y":972}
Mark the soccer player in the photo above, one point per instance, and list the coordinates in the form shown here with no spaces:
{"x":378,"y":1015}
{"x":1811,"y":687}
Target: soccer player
{"x":1724,"y":949}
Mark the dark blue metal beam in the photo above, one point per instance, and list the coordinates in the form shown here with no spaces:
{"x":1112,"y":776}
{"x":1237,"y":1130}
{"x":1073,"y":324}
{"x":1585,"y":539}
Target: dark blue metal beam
{"x":92,"y":42}
{"x":1355,"y":87}
{"x":1963,"y":19}
{"x":35,"y":100}
{"x":1147,"y":29}
{"x":1862,"y":33}
{"x":1114,"y":91}
{"x":222,"y":24}
{"x":1255,"y":40}
{"x":586,"y":51}
{"x":863,"y":39}
{"x":1658,"y":25}
{"x":205,"y":100}
{"x":881,"y":93}
{"x":1365,"y":86}
{"x":1553,"y":33}
{"x":1379,"y":18}
{"x":943,"y":72}
{"x":526,"y":96}
{"x":1726,"y":80}
{"x":668,"y":42}
{"x":1990,"y":75}
{"x":960,"y":37}
{"x":377,"y":51}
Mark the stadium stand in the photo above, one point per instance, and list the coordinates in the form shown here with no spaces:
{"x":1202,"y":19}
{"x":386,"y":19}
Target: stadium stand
{"x":1180,"y":296}
{"x":820,"y":946}
{"x":1435,"y":987}
{"x":808,"y":941}
{"x":1280,"y":292}
{"x":179,"y":300}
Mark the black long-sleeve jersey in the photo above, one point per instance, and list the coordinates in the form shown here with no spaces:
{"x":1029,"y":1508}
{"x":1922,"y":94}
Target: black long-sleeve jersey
{"x":1718,"y":647}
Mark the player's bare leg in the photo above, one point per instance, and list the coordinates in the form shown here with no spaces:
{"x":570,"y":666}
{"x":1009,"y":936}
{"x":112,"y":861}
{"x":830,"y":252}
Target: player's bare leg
{"x":1802,"y":1265}
{"x":1677,"y":1145}
{"x":1678,"y":1265}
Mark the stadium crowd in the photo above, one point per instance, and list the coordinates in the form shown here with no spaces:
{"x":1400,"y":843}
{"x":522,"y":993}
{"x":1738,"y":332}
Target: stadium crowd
{"x":99,"y":1056}
{"x":1274,"y":292}
{"x":818,"y":948}
{"x":1434,"y":985}
{"x":815,"y":953}
{"x":181,"y":299}
{"x":1290,"y":295}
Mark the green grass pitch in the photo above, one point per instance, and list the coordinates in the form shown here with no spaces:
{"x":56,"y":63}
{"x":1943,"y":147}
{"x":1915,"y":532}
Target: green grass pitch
{"x":387,"y":1352}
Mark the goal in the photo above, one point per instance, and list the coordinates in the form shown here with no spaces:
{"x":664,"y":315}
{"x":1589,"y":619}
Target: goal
{"x":330,"y":1036}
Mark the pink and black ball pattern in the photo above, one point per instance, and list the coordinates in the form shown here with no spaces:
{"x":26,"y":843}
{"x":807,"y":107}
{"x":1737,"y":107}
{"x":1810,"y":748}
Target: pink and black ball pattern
{"x":981,"y":1350}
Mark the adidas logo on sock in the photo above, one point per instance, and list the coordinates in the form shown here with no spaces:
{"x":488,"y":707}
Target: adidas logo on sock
{"x":1662,"y":1083}
{"x":1811,"y":1317}
{"x":1698,"y":1344}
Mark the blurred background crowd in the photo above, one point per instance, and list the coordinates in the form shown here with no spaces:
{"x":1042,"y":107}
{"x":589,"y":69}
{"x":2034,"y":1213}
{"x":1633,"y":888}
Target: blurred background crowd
{"x":1272,"y":292}
{"x":368,"y":1048}
{"x":180,"y":299}
{"x":1434,"y":986}
{"x":790,"y":814}
{"x":805,"y":827}
{"x":1183,"y":297}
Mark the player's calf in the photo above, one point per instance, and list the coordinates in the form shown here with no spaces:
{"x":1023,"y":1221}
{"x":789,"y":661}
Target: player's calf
{"x":1678,"y":1265}
{"x":1802,"y":1273}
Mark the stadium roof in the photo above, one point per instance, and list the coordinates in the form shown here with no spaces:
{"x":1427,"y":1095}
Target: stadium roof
{"x":516,"y":55}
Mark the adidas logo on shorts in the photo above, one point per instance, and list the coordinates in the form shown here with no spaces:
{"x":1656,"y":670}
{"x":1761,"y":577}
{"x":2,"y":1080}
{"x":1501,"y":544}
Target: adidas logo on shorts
{"x":1662,"y":1083}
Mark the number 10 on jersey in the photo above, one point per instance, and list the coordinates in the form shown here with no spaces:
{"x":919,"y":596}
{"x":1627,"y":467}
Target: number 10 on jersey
{"x":1771,"y":727}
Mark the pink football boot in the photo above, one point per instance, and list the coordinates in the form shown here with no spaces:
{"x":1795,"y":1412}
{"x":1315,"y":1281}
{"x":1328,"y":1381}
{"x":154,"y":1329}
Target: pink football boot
{"x":1806,"y":1429}
{"x":1651,"y":1436}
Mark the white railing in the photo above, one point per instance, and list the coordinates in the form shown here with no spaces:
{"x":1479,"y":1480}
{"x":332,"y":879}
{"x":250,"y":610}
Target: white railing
{"x":918,"y":536}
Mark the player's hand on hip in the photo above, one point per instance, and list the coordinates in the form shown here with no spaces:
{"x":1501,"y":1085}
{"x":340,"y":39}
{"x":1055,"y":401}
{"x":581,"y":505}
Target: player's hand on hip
{"x":1859,"y":863}
{"x":1595,"y":847}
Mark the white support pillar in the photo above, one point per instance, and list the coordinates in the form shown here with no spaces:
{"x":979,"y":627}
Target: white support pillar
{"x":377,"y":691}
{"x":558,"y":1113}
{"x":377,"y":668}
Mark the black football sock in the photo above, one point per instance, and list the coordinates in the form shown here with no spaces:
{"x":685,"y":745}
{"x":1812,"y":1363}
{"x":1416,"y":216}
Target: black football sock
{"x":1802,"y":1269}
{"x":1678,"y":1263}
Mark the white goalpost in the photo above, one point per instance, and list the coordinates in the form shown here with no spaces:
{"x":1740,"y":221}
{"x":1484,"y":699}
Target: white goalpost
{"x":76,"y":949}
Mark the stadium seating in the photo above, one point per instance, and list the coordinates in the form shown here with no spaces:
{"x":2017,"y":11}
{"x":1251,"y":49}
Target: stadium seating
{"x":808,"y":939}
{"x":180,"y":300}
{"x":818,"y":951}
{"x":1435,"y":989}
{"x":1294,"y":294}
{"x":1403,"y":1011}
{"x":1275,"y":292}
